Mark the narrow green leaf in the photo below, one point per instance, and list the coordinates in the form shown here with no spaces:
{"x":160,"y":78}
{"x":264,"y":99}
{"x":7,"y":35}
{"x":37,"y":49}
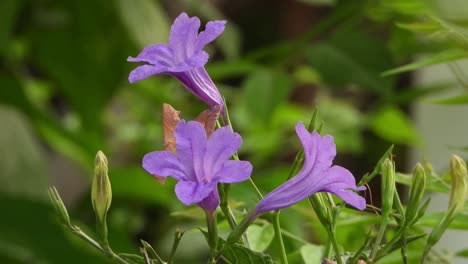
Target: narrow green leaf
{"x":462,"y":253}
{"x":441,"y":57}
{"x":457,"y":100}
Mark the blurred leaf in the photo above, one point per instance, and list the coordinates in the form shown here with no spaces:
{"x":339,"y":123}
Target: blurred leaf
{"x":8,"y":12}
{"x":11,"y":93}
{"x":434,"y":183}
{"x":311,"y":254}
{"x":441,"y":57}
{"x":22,"y":166}
{"x":74,"y":51}
{"x":238,"y":254}
{"x":424,"y":27}
{"x":457,"y":100}
{"x":30,"y":227}
{"x":412,"y":94}
{"x":220,"y":70}
{"x":264,"y":90}
{"x":306,"y":75}
{"x":462,"y":253}
{"x":391,"y":124}
{"x":352,"y":57}
{"x":136,"y":183}
{"x":432,"y":219}
{"x":458,"y":34}
{"x":260,"y":237}
{"x":145,"y":20}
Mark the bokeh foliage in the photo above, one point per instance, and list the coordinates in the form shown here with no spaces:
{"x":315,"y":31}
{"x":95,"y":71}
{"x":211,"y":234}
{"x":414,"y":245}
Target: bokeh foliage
{"x":64,"y":89}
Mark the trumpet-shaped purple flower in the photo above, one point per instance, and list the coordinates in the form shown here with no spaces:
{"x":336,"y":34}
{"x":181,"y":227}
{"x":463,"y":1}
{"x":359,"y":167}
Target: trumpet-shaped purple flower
{"x":200,"y":163}
{"x":317,"y":175}
{"x":183,"y":58}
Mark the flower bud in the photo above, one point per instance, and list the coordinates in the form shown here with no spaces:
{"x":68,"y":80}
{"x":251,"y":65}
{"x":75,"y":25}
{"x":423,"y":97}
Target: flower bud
{"x":388,"y":186}
{"x":101,"y":192}
{"x":458,"y":174}
{"x":59,"y":206}
{"x":418,"y":185}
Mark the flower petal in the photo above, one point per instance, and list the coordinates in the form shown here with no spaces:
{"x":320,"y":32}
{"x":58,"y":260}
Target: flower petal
{"x":211,"y":202}
{"x":341,"y":182}
{"x":221,"y":145}
{"x":198,"y":59}
{"x":163,"y":164}
{"x":144,"y":71}
{"x":157,"y":54}
{"x":190,"y":192}
{"x":183,"y":36}
{"x":212,"y":30}
{"x":190,"y":147}
{"x":319,"y":151}
{"x":234,"y":171}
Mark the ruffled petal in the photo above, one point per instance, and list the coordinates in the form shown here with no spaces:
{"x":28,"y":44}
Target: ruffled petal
{"x":212,"y":30}
{"x":199,"y":59}
{"x":341,"y":182}
{"x":144,"y":71}
{"x":234,"y":171}
{"x":190,"y":192}
{"x":183,"y":36}
{"x":221,"y":145}
{"x":190,"y":147}
{"x":163,"y":164}
{"x":157,"y":54}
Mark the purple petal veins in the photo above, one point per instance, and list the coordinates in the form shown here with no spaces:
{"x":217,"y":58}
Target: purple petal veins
{"x":317,"y":175}
{"x":183,"y":58}
{"x":200,"y":163}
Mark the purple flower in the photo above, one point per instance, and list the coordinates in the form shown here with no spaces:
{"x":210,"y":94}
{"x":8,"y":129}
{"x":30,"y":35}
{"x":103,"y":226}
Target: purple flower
{"x":317,"y":175}
{"x":200,"y":163}
{"x":183,"y":58}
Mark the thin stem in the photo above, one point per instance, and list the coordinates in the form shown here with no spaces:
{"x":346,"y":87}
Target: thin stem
{"x":279,"y":237}
{"x":334,"y":243}
{"x":106,"y":249}
{"x":177,"y":237}
{"x":212,"y":233}
{"x":383,"y":227}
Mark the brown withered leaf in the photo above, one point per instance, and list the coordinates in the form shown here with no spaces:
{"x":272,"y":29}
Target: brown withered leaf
{"x":208,"y":118}
{"x":170,"y":121}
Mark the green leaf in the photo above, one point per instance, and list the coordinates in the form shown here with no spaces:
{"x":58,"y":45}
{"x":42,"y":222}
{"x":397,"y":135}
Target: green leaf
{"x":434,"y":183}
{"x":462,"y":253}
{"x":457,"y":100}
{"x":8,"y":12}
{"x":238,"y":254}
{"x":441,"y":57}
{"x":260,"y":237}
{"x":312,"y":254}
{"x":352,"y":57}
{"x":432,"y":219}
{"x":22,"y":164}
{"x":145,"y":20}
{"x":136,"y":183}
{"x":264,"y":90}
{"x":393,"y":125}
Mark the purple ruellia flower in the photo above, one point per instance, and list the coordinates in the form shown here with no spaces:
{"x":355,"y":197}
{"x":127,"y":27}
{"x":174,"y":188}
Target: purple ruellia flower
{"x":183,"y":58}
{"x":317,"y":175}
{"x":200,"y":163}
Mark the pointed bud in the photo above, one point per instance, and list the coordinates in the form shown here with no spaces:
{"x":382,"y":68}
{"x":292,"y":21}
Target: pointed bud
{"x":101,"y":192}
{"x":418,"y":186}
{"x":59,"y":206}
{"x":388,"y":186}
{"x":458,"y":174}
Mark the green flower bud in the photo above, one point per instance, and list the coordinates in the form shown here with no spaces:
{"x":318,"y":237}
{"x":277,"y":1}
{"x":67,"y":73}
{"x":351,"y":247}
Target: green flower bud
{"x":458,"y":174}
{"x":418,"y":185}
{"x":101,"y":192}
{"x":388,"y":186}
{"x":59,"y":206}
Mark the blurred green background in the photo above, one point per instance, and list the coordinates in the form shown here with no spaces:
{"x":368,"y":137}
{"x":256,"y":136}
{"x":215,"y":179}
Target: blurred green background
{"x":64,"y":95}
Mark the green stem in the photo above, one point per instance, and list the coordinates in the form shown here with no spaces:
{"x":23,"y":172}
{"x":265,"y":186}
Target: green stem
{"x":177,"y":237}
{"x":334,"y":243}
{"x":383,"y":227}
{"x":212,"y":233}
{"x":279,"y":237}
